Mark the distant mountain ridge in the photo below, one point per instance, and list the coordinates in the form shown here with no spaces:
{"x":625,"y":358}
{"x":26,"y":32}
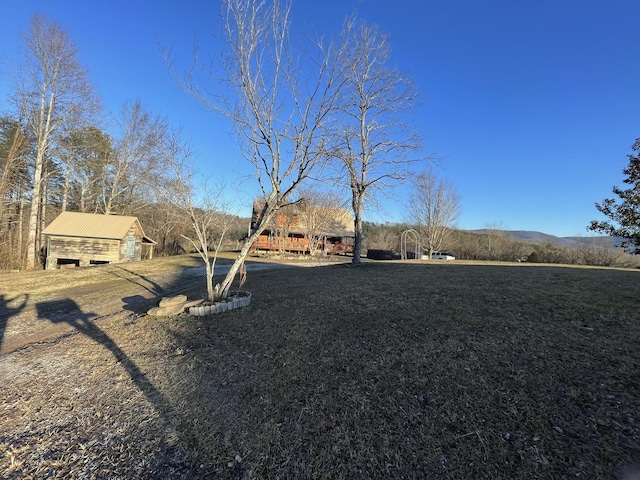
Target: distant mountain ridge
{"x":539,"y":237}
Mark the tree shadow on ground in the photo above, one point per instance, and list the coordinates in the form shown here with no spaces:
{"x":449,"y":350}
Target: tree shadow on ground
{"x":67,"y":311}
{"x":10,"y":307}
{"x":188,"y":280}
{"x":140,"y":280}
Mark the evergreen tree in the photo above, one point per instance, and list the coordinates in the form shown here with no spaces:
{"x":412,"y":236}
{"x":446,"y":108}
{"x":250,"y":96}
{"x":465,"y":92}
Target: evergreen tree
{"x":624,"y":213}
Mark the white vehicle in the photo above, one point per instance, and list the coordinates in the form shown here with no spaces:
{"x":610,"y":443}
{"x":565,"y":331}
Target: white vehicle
{"x":442,"y":256}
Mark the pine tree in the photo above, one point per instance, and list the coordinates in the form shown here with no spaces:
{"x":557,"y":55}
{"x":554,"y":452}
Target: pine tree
{"x":623,"y":213}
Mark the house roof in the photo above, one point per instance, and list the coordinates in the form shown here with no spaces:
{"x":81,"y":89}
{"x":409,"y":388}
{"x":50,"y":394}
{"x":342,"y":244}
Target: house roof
{"x":338,"y":223}
{"x":335,"y":222}
{"x":93,"y":225}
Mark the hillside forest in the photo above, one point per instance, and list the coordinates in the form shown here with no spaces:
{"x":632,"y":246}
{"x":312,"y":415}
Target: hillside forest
{"x":60,"y":151}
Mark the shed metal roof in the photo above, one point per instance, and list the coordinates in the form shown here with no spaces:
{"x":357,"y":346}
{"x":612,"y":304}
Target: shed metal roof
{"x":92,"y":225}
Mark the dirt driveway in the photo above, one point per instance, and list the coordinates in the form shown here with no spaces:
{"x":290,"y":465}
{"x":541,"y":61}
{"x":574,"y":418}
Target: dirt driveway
{"x":36,"y":307}
{"x":87,"y":377}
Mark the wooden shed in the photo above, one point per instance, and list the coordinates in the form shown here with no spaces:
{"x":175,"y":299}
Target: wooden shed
{"x":87,"y":239}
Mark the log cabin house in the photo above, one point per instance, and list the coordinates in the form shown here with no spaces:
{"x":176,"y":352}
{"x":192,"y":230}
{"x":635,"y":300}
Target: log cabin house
{"x":82,"y":239}
{"x":306,"y":229}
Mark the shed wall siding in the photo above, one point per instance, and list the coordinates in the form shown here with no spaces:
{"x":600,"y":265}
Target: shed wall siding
{"x":133,"y":232}
{"x":83,"y":249}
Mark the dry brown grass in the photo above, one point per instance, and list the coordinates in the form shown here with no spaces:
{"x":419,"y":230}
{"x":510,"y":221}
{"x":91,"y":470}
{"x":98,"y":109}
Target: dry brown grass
{"x":388,"y":370}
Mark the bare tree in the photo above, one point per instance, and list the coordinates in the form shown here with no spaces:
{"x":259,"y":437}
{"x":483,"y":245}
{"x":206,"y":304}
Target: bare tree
{"x":135,"y":159}
{"x":278,"y":103}
{"x":207,"y":217}
{"x":496,"y":244}
{"x":600,"y":251}
{"x":285,"y":220}
{"x":319,"y":213}
{"x":383,"y":237}
{"x":163,"y":226}
{"x":434,"y":206}
{"x":372,"y":139}
{"x":494,"y":241}
{"x":85,"y":154}
{"x":11,"y":144}
{"x":13,"y":182}
{"x":52,"y":89}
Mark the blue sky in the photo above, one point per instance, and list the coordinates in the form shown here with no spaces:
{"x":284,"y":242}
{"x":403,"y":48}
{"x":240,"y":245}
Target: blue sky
{"x":532,"y":107}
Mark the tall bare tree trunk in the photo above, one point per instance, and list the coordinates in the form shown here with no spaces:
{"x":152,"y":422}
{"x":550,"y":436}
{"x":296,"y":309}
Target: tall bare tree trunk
{"x":357,"y":204}
{"x":43,"y":130}
{"x":222,"y":289}
{"x":65,"y":190}
{"x":19,"y":251}
{"x":371,"y":139}
{"x":43,"y":220}
{"x":32,"y":233}
{"x":52,"y":88}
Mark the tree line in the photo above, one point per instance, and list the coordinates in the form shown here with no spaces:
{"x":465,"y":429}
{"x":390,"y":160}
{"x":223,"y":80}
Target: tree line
{"x":495,"y":244}
{"x":329,"y":113}
{"x":321,"y":112}
{"x":59,"y":150}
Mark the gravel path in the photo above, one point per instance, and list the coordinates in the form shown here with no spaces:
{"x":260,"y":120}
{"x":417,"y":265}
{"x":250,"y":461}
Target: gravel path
{"x":33,"y":318}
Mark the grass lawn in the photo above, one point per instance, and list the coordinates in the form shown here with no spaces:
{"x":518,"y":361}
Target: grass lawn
{"x":387,"y":370}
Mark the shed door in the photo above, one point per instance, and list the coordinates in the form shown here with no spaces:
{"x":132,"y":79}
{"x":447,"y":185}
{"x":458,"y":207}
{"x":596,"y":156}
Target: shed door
{"x":131,"y":247}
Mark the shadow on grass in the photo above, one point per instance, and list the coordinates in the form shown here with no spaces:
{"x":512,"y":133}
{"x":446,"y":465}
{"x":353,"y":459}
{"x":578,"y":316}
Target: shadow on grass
{"x":67,"y":311}
{"x":10,"y":307}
